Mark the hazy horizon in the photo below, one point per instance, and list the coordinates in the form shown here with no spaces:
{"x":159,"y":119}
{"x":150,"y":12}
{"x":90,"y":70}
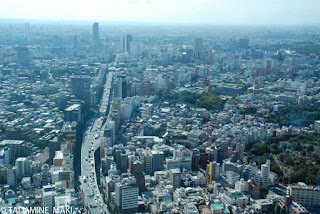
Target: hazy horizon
{"x":212,"y":12}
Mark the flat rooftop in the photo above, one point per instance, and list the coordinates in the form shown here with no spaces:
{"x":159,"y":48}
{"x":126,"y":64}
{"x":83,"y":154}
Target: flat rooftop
{"x":11,"y":142}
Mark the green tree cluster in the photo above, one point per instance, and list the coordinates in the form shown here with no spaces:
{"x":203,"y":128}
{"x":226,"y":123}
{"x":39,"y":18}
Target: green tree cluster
{"x":296,"y":115}
{"x":295,"y":158}
{"x":158,"y":131}
{"x":249,"y":110}
{"x":209,"y":100}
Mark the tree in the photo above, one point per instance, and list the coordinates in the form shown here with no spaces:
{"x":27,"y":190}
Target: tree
{"x":277,"y":209}
{"x":283,"y":211}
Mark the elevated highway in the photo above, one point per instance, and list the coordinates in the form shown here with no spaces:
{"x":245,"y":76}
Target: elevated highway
{"x":93,"y":201}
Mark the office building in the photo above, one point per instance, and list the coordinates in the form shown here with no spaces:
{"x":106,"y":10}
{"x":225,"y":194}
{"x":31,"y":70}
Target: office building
{"x":16,"y":146}
{"x":75,"y":41}
{"x":132,"y":159}
{"x":74,"y":113}
{"x":126,"y":195}
{"x":54,"y":145}
{"x":123,"y":162}
{"x":48,"y":197}
{"x":212,"y":171}
{"x":21,"y":164}
{"x":126,"y":43}
{"x":304,"y":194}
{"x":95,"y":36}
{"x":5,"y":156}
{"x":175,"y":177}
{"x":146,"y":161}
{"x":81,"y":88}
{"x":198,"y":48}
{"x":265,"y":172}
{"x":195,"y":159}
{"x":12,"y":177}
{"x":23,"y":56}
{"x":139,"y":175}
{"x":157,"y":160}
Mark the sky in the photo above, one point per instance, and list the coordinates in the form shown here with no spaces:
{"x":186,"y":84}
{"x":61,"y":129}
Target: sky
{"x":220,"y":12}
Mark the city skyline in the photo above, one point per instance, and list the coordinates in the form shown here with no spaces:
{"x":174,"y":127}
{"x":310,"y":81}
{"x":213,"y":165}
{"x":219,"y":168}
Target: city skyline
{"x":230,"y":12}
{"x":193,"y":107}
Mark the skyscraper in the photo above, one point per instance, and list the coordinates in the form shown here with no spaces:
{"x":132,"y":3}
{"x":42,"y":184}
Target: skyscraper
{"x":95,"y":35}
{"x":126,"y":41}
{"x":81,"y":88}
{"x":75,"y":41}
{"x":197,"y":48}
{"x":195,"y":159}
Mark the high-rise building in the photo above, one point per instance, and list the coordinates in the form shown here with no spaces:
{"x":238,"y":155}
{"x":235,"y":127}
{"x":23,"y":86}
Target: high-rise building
{"x":212,"y":171}
{"x":23,"y":56}
{"x":146,"y":161}
{"x":164,"y":56}
{"x":239,"y":151}
{"x":48,"y":195}
{"x":21,"y":164}
{"x":198,"y":48}
{"x":304,"y":194}
{"x":124,"y":87}
{"x":81,"y":88}
{"x":157,"y":160}
{"x":95,"y":35}
{"x":12,"y":177}
{"x":131,"y":160}
{"x":109,"y":162}
{"x":15,"y":146}
{"x":75,"y":41}
{"x":139,"y":175}
{"x":124,"y":162}
{"x":218,"y":154}
{"x":120,"y":87}
{"x":126,"y":42}
{"x":126,"y":195}
{"x":5,"y":156}
{"x":265,"y":171}
{"x":73,"y":114}
{"x":195,"y":159}
{"x":175,"y":177}
{"x":204,"y":158}
{"x":54,"y":145}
